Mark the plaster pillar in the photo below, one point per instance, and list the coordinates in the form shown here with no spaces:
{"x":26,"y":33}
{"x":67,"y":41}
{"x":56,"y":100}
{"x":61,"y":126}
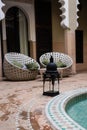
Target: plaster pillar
{"x":0,"y":55}
{"x":33,"y":49}
{"x":2,"y":15}
{"x":70,"y":47}
{"x":69,"y":23}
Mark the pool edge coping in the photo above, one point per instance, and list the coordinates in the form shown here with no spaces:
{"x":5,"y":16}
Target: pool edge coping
{"x":56,"y":113}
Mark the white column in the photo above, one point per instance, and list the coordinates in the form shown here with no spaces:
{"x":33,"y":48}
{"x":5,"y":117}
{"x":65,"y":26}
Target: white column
{"x":0,"y":55}
{"x":69,"y":23}
{"x":70,"y":47}
{"x":1,"y":17}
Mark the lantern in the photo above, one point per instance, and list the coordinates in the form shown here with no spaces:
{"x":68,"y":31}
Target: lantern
{"x":51,"y":75}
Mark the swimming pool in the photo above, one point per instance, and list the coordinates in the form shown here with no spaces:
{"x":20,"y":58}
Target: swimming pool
{"x":66,"y":111}
{"x":76,"y":108}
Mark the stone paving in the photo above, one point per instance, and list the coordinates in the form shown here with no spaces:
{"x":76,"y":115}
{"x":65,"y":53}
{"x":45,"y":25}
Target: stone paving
{"x":22,"y":105}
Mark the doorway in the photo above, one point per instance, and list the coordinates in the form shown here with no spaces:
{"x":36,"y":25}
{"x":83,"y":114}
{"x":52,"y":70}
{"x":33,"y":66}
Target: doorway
{"x":16,"y":31}
{"x":43,"y":27}
{"x":79,"y":46}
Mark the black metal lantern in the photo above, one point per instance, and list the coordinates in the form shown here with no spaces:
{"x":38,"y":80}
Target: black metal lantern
{"x":51,"y":74}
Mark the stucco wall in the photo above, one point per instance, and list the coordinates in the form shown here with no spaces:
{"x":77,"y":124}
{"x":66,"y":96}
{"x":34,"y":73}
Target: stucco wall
{"x":21,"y":1}
{"x":28,"y":9}
{"x":57,"y":30}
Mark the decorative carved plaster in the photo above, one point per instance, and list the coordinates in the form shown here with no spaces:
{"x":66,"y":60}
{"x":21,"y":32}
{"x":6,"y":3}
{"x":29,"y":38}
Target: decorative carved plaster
{"x":77,"y":10}
{"x":65,"y":13}
{"x":2,"y":15}
{"x":65,"y":8}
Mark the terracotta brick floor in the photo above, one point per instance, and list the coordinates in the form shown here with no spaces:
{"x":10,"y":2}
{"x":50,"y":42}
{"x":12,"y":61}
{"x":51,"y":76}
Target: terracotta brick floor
{"x":13,"y":96}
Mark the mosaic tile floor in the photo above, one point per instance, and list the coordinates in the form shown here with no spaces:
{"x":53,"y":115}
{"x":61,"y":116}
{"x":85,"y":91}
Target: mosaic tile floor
{"x":16,"y":97}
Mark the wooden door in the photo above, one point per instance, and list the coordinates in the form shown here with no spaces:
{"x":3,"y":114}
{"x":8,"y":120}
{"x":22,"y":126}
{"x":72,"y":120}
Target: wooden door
{"x":79,"y":46}
{"x":43,"y":27}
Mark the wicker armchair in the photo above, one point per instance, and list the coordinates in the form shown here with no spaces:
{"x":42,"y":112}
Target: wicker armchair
{"x":14,"y":67}
{"x":64,"y":58}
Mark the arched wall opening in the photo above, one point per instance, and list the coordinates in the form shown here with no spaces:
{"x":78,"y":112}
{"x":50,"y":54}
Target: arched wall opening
{"x":16,"y":31}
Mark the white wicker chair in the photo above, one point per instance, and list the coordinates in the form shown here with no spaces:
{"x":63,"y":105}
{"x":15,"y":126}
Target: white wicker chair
{"x":13,"y":72}
{"x":66,"y":59}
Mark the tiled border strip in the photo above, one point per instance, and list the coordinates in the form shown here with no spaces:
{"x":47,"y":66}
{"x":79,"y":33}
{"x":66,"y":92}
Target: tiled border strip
{"x":30,"y":104}
{"x":55,"y":111}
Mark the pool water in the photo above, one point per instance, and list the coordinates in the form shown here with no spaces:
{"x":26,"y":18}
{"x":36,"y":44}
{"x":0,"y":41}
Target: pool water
{"x":76,"y":108}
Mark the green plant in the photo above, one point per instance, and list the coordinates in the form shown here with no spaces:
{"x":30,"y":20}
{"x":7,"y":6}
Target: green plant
{"x":16,"y":63}
{"x":32,"y":66}
{"x":60,"y":64}
{"x":45,"y":61}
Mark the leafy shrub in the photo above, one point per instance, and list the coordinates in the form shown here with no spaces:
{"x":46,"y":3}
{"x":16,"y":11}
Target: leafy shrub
{"x":45,"y":61}
{"x":60,"y":64}
{"x":16,"y":63}
{"x":32,"y":66}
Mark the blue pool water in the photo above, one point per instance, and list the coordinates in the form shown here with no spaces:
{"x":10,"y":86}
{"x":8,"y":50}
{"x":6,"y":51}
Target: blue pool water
{"x":76,"y":108}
